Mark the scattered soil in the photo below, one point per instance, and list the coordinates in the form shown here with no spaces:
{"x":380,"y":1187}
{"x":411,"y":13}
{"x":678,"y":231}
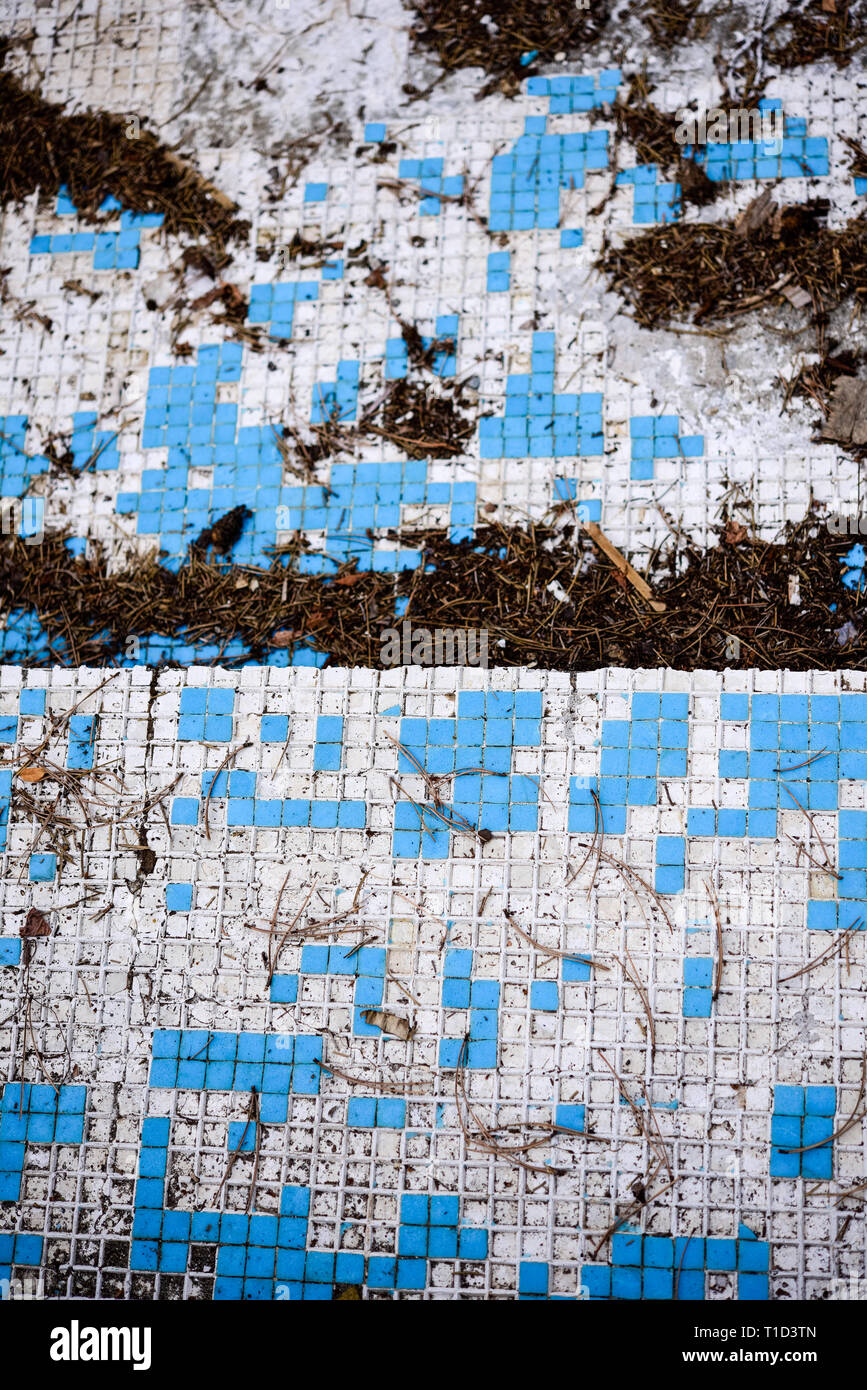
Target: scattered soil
{"x":706,"y":272}
{"x":96,"y":153}
{"x":818,"y":382}
{"x":673,"y":21}
{"x":421,"y":424}
{"x":858,"y":166}
{"x":222,"y":536}
{"x":417,"y":420}
{"x":725,"y":607}
{"x":834,"y":29}
{"x":496,"y":35}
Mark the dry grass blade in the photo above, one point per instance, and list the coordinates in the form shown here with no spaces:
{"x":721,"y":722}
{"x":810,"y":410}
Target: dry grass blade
{"x":273,"y":959}
{"x":229,"y":758}
{"x":550,"y":950}
{"x":410,"y":1087}
{"x":834,"y":950}
{"x":484,"y":1140}
{"x":718,"y":963}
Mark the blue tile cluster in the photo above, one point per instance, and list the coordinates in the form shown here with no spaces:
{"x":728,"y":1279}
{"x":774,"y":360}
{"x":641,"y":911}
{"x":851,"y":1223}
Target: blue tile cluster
{"x":158,"y":648}
{"x":670,"y":864}
{"x":849,"y":909}
{"x":544,"y":996}
{"x":362,"y":497}
{"x":274,"y":728}
{"x":799,"y":747}
{"x":658,"y":437}
{"x":42,"y":868}
{"x":477,"y":746}
{"x":853,"y":563}
{"x":22,"y":640}
{"x":114,"y":250}
{"x":328,"y":749}
{"x":35,"y":1114}
{"x":662,"y":1267}
{"x":482,"y":998}
{"x":569,"y":1115}
{"x":31,"y":702}
{"x":499,"y":279}
{"x":366,"y":965}
{"x":274,"y":305}
{"x":432,"y":182}
{"x":182,"y":412}
{"x":697,"y":986}
{"x":652,"y":201}
{"x":17,"y":467}
{"x":636,"y":752}
{"x":206,"y":714}
{"x":796,"y":156}
{"x":20,"y":1249}
{"x":179,"y":897}
{"x":533,"y":1276}
{"x":376,"y":1112}
{"x":430,"y":1228}
{"x":539,"y":422}
{"x":574,"y":970}
{"x":803,"y":1116}
{"x":277,"y":1065}
{"x":336,"y":400}
{"x":10,"y":951}
{"x":82,"y":735}
{"x":526,"y":182}
{"x":255,"y":1252}
{"x":574,"y":93}
{"x":245,"y":807}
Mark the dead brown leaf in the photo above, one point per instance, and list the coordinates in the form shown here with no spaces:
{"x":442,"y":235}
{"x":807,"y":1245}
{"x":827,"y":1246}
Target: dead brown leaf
{"x":31,"y":774}
{"x":35,"y":924}
{"x":734,"y":533}
{"x":847,"y":419}
{"x":389,"y":1023}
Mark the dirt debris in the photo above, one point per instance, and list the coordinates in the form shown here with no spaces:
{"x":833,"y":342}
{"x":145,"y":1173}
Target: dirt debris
{"x":725,"y":607}
{"x":806,"y":33}
{"x":504,"y":37}
{"x":96,"y":154}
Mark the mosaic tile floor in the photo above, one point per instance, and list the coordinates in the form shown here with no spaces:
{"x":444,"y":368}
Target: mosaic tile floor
{"x":471,"y":993}
{"x":491,"y":1047}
